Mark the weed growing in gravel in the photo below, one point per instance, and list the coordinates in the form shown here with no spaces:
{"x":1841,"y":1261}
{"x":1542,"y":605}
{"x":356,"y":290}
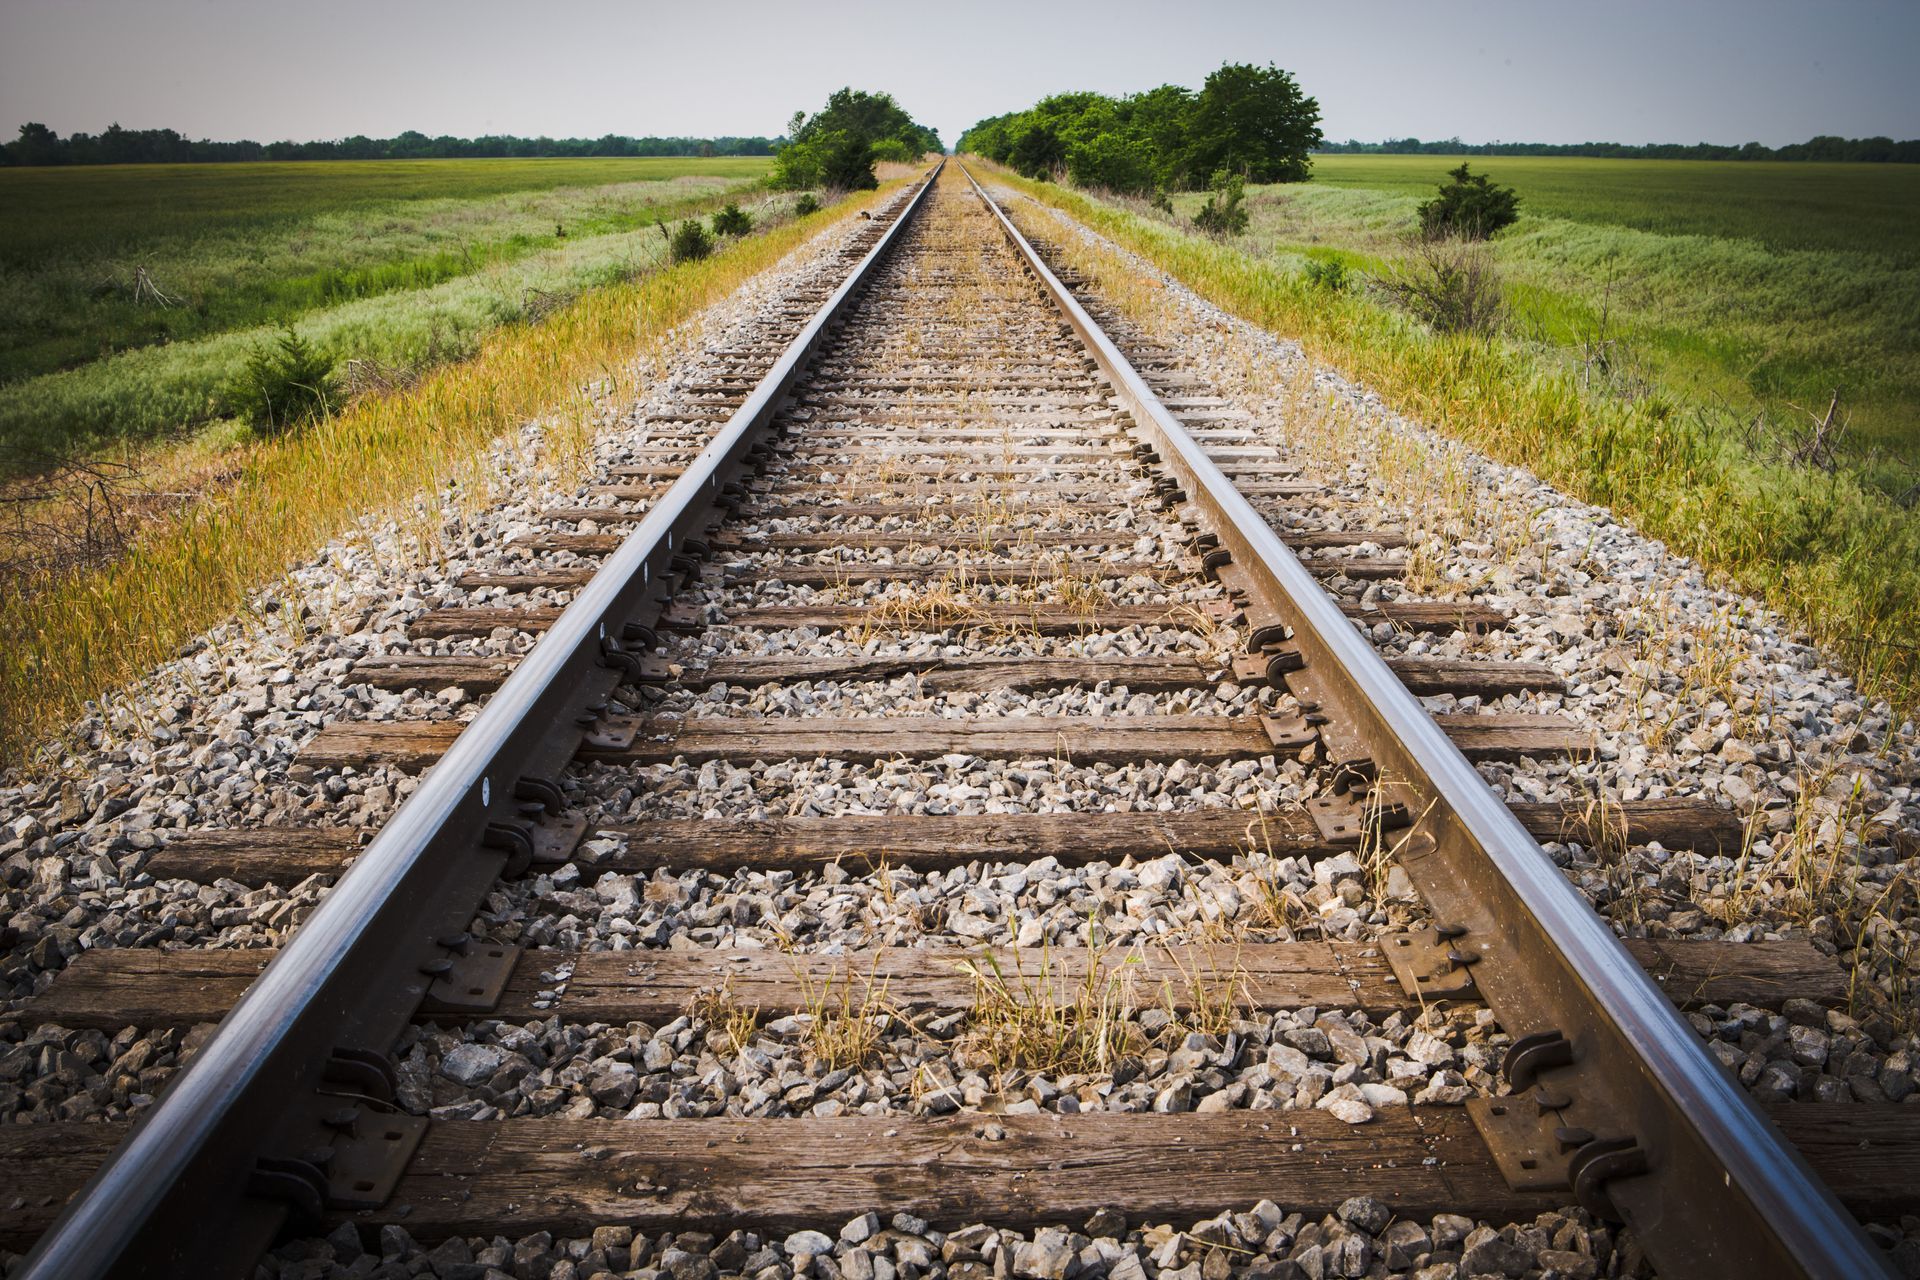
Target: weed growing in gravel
{"x":717,"y":1007}
{"x":1041,"y":1022}
{"x":1802,"y":872}
{"x":844,"y":1030}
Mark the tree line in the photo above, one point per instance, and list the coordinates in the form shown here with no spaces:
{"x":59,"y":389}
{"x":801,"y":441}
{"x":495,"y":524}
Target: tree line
{"x":1246,"y":121}
{"x":40,"y":145}
{"x":1823,"y":147}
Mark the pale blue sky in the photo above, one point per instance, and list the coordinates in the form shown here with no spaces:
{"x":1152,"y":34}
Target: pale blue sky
{"x":1629,"y":70}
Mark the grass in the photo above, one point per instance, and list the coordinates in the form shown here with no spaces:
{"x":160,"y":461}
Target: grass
{"x":1829,"y":549}
{"x":1038,"y":1021}
{"x":1756,"y":290}
{"x":75,"y":639}
{"x":1786,"y":206}
{"x":126,"y":291}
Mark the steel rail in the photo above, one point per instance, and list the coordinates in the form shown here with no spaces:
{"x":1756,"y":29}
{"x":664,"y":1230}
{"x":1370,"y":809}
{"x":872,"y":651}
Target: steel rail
{"x":175,"y":1197}
{"x":1723,"y":1193}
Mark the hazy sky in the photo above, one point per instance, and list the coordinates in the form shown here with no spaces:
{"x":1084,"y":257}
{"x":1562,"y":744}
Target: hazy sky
{"x":1629,"y":70}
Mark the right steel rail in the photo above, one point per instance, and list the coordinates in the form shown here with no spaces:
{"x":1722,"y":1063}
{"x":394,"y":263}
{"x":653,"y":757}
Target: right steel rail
{"x":1661,"y":1136}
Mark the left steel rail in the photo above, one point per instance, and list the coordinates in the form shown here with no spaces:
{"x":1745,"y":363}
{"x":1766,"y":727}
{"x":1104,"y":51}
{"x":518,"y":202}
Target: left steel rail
{"x":241,"y":1142}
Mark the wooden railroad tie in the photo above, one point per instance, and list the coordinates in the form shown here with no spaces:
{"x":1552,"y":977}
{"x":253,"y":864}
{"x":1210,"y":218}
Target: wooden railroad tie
{"x":256,"y":856}
{"x":415,"y":745}
{"x":517,"y":1177}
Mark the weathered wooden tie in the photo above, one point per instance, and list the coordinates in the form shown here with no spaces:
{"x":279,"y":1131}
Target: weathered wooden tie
{"x":517,"y":1177}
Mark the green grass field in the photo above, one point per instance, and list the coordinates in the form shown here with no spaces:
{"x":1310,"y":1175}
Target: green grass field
{"x":1855,"y":208}
{"x":129,"y":293}
{"x":1749,"y":291}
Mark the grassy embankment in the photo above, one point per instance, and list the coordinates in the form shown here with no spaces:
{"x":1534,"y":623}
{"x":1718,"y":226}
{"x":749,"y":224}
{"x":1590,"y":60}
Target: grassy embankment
{"x":130,"y":295}
{"x":1752,"y":290}
{"x":1830,"y":549}
{"x":81,"y":637}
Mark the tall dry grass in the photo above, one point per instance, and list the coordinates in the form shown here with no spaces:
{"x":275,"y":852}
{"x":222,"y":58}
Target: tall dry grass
{"x":65,"y":642}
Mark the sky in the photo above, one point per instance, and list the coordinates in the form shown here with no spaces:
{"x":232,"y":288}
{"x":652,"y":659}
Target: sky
{"x":1726,"y":71}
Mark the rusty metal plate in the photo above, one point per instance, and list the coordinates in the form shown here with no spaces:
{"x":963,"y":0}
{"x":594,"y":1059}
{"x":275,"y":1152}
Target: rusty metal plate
{"x":474,"y":983}
{"x":610,"y":733}
{"x":1289,"y":732}
{"x":1420,"y":962}
{"x":1341,"y":820}
{"x":555,"y":838}
{"x":1250,"y":668}
{"x":367,"y":1163}
{"x":1520,"y":1137}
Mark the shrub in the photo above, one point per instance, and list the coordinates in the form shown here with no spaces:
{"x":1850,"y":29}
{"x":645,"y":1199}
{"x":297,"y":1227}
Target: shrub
{"x":805,"y":205}
{"x":846,"y":162}
{"x":732,"y":221}
{"x":1222,"y":214}
{"x":689,"y":241}
{"x":284,"y":383}
{"x":837,"y":159}
{"x":1111,"y":161}
{"x":1329,"y":274}
{"x":1449,"y":286}
{"x":1469,"y":206}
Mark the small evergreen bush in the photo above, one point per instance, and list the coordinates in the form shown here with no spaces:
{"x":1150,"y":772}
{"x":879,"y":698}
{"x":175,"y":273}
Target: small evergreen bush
{"x":1470,"y":206}
{"x":1222,"y":214}
{"x":688,"y":242}
{"x":805,"y":205}
{"x":732,"y":221}
{"x":285,"y":383}
{"x":1329,"y":274}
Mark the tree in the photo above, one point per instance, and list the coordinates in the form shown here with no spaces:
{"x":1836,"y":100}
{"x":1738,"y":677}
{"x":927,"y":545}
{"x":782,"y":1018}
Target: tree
{"x":1255,"y":122}
{"x":835,"y":146}
{"x":846,"y":161}
{"x":1470,"y":206}
{"x":1118,"y":162}
{"x":37,"y":144}
{"x":1160,"y":119}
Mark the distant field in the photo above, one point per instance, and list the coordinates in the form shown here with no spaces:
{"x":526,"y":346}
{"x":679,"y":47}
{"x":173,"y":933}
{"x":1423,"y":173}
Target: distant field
{"x":1752,"y":290}
{"x":1856,"y":208}
{"x":128,"y":293}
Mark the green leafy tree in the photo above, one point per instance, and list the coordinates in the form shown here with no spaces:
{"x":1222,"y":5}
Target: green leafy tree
{"x":1251,"y":120}
{"x":1470,"y":206}
{"x":837,"y":145}
{"x":37,"y":144}
{"x":1256,"y":122}
{"x":1116,"y":161}
{"x":846,"y":161}
{"x":1161,"y":120}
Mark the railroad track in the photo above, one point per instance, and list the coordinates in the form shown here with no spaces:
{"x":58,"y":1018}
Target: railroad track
{"x":1064,"y":567}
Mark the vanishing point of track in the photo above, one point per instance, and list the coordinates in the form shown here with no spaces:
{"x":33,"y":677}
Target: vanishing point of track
{"x":945,"y":393}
